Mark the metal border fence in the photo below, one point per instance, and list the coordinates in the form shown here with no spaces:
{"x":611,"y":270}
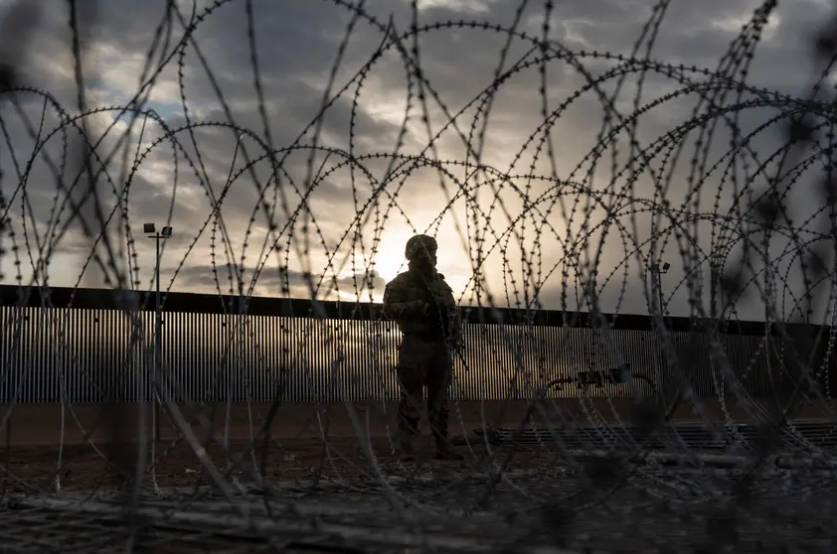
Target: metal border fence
{"x":85,"y":346}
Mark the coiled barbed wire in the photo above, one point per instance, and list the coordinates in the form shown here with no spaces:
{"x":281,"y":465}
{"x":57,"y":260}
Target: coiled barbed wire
{"x":544,"y":224}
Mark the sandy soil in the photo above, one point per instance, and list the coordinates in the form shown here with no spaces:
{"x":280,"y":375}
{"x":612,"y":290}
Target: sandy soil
{"x":304,"y":440}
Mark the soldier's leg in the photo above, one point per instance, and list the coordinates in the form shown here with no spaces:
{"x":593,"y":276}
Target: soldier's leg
{"x":438,"y":406}
{"x":412,"y":367}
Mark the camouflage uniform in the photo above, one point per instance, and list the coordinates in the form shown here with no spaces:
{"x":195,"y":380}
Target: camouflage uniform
{"x":422,"y":304}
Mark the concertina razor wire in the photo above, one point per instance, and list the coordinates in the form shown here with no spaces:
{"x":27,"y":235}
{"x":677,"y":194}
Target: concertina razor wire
{"x":580,"y":443}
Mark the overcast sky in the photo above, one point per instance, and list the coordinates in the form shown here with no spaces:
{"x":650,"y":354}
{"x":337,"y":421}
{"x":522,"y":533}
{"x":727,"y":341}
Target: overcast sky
{"x":345,"y":188}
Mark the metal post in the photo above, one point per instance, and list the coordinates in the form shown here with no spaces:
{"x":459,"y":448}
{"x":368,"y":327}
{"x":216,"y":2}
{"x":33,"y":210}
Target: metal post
{"x":656,"y":273}
{"x":156,"y":391}
{"x":715,"y":266}
{"x":158,"y":345}
{"x":660,"y":293}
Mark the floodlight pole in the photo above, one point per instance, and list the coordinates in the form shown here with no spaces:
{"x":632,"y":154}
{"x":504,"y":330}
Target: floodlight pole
{"x":151,"y":231}
{"x":656,"y":272}
{"x":716,"y":265}
{"x":158,"y":339}
{"x":660,"y":293}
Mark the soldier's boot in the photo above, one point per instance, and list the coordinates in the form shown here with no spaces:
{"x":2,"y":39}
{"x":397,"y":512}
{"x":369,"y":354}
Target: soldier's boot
{"x":444,"y":449}
{"x":407,"y":430}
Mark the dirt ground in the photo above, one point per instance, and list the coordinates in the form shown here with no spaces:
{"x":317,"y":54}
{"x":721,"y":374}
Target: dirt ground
{"x":304,"y":441}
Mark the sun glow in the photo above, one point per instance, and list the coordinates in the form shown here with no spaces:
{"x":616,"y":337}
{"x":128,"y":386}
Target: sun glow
{"x":389,"y":258}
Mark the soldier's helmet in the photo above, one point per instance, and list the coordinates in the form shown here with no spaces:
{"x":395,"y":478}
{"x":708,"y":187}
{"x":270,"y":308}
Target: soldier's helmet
{"x":418,"y":245}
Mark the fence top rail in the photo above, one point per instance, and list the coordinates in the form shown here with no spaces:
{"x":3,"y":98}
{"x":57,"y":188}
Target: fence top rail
{"x":187,"y":302}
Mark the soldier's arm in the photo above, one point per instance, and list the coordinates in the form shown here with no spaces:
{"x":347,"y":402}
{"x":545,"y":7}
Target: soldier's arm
{"x":396,"y":306}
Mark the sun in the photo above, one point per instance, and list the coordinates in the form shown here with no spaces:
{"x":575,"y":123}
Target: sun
{"x":389,"y":258}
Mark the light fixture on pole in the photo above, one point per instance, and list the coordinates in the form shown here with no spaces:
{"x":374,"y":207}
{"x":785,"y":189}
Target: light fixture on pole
{"x":656,"y":272}
{"x":150,"y":231}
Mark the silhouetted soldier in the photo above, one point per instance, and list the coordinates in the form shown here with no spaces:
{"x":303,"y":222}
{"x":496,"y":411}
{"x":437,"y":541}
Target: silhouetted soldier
{"x":422,"y":304}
